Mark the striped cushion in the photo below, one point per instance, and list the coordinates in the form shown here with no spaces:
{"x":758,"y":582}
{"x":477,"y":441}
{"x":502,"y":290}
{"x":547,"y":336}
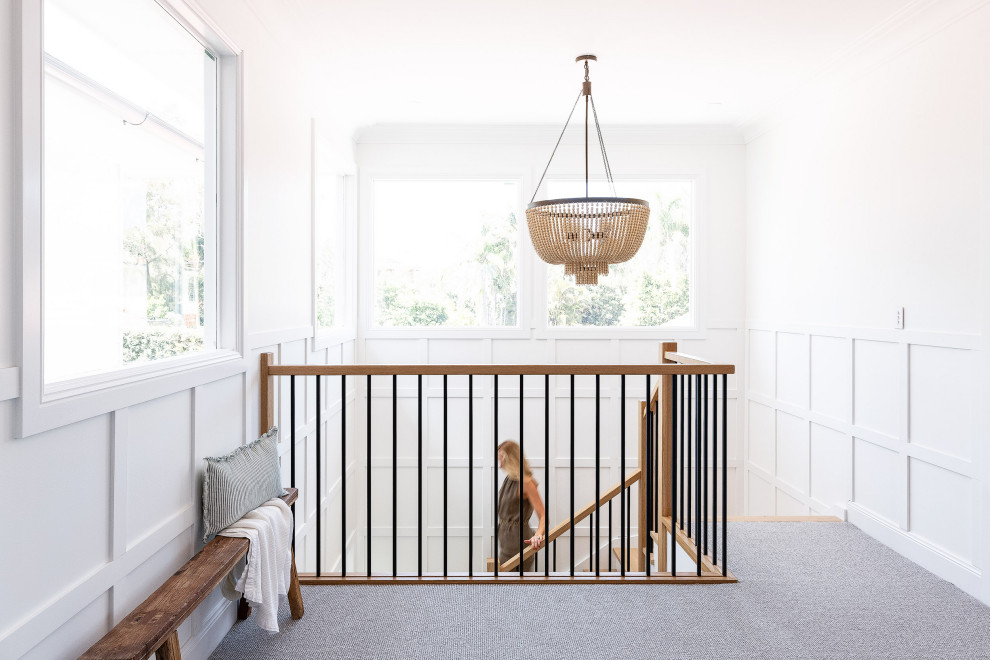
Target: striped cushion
{"x":241,"y":481}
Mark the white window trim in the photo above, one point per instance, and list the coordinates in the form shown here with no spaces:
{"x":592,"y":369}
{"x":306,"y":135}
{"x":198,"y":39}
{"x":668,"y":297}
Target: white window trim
{"x":346,"y":286}
{"x":89,"y":397}
{"x":366,"y":292}
{"x":697,"y":330}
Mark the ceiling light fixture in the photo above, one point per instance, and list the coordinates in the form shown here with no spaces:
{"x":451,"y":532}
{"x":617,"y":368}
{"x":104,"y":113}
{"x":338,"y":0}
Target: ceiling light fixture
{"x":586,"y":234}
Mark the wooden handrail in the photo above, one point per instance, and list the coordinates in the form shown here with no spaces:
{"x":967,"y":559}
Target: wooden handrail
{"x":684,"y":358}
{"x":689,"y":546}
{"x":579,"y":515}
{"x":498,"y":369}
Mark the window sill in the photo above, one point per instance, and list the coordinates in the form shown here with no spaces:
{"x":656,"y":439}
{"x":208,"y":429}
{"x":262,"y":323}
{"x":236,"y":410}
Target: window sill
{"x":133,"y":374}
{"x":668,"y":333}
{"x":86,"y":398}
{"x":434,"y":332}
{"x":328,"y":338}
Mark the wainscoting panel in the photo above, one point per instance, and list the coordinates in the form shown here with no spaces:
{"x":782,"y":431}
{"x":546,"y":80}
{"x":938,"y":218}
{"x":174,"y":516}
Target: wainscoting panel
{"x":943,"y":400}
{"x":876,"y":424}
{"x":935,"y":492}
{"x":150,"y":460}
{"x":792,"y":368}
{"x":878,"y":386}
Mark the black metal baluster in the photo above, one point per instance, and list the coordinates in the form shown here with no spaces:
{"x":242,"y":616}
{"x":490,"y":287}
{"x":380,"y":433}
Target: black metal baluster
{"x":715,"y":470}
{"x":495,"y":475}
{"x":368,"y":469}
{"x":610,"y":536}
{"x":522,"y":480}
{"x":598,"y":470}
{"x":546,"y":471}
{"x":445,"y":475}
{"x":622,"y":475}
{"x":725,"y":471}
{"x":674,"y":422}
{"x":470,"y":475}
{"x":419,"y":475}
{"x":395,"y":475}
{"x":704,"y":463}
{"x":684,"y":416}
{"x":572,"y":477}
{"x":697,"y":467}
{"x":656,"y":465}
{"x":319,"y":485}
{"x":555,"y":555}
{"x":343,"y":475}
{"x":292,"y":452}
{"x":689,"y":456}
{"x":649,"y":477}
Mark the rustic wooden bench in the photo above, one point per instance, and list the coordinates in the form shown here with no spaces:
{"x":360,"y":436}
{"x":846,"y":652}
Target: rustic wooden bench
{"x":153,"y":626}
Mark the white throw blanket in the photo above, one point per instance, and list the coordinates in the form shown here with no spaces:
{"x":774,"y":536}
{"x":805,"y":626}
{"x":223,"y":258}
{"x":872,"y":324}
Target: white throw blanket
{"x":269,"y":560}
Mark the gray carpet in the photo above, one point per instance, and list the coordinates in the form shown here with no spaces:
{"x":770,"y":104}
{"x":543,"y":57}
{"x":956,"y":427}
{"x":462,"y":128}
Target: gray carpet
{"x":806,"y":590}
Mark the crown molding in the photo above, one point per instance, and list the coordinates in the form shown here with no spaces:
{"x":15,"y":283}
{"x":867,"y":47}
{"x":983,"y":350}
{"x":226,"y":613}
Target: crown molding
{"x":901,"y":31}
{"x":543,"y":134}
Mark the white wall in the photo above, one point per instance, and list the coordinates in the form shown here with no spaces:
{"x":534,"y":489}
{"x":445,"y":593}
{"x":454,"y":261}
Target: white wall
{"x":870,"y":196}
{"x":522,"y":151}
{"x":101,"y":512}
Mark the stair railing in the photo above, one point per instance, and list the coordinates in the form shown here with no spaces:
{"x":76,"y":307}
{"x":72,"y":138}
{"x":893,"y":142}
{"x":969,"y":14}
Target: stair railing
{"x":687,"y":427}
{"x":668,"y":402}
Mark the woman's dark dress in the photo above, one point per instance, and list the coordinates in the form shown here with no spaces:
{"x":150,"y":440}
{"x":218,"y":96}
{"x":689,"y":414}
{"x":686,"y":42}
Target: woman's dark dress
{"x":508,"y":522}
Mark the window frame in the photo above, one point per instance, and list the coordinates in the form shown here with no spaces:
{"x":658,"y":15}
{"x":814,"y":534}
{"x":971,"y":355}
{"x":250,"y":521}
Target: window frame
{"x":58,"y":404}
{"x":697,"y":329}
{"x":366,"y":300}
{"x":346,"y":180}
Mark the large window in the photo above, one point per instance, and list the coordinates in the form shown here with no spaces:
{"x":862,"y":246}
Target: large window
{"x":329,"y":232}
{"x":446,"y":253}
{"x":130,"y":188}
{"x":652,"y":289}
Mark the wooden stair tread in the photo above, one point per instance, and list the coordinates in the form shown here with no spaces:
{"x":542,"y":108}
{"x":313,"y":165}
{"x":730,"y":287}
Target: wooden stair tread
{"x":636,"y":559}
{"x":142,"y":631}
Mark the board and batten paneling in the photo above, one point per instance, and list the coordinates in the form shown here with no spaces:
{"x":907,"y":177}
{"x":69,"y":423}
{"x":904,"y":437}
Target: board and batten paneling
{"x":120,"y":497}
{"x":875,"y":426}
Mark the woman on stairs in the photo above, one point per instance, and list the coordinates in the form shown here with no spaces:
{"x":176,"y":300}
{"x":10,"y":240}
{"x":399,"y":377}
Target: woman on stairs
{"x":514,"y":464}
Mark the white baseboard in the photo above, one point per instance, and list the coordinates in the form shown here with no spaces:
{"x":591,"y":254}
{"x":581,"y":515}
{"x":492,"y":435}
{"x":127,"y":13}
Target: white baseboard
{"x":218,"y":624}
{"x":930,"y":557}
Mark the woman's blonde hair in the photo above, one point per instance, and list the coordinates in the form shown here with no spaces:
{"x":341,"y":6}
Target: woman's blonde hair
{"x":510,"y":460}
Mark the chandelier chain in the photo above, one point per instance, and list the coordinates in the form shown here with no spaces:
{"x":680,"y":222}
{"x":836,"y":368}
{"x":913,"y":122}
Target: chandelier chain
{"x":573,"y":108}
{"x":601,"y":142}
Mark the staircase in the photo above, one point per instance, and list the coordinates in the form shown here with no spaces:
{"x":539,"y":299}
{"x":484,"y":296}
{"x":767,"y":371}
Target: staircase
{"x":682,"y":434}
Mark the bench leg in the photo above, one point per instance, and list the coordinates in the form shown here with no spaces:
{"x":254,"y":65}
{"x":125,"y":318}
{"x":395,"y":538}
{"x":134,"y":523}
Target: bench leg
{"x":243,"y":609}
{"x":295,"y":593}
{"x":169,"y":650}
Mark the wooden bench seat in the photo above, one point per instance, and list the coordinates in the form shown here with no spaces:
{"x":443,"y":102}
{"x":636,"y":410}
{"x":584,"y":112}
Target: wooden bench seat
{"x":153,"y":626}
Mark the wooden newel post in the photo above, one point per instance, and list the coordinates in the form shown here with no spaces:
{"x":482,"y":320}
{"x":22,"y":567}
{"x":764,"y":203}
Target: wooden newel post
{"x":266,"y":411}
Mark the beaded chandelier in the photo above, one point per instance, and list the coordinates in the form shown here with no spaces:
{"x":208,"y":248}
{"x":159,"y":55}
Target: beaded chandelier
{"x":586,"y":234}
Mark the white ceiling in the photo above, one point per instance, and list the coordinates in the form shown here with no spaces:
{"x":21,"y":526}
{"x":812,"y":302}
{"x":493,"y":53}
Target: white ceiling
{"x":716,"y":62}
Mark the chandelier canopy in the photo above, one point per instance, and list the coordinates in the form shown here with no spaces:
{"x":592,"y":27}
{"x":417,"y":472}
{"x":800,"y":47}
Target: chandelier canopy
{"x":586,"y":234}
